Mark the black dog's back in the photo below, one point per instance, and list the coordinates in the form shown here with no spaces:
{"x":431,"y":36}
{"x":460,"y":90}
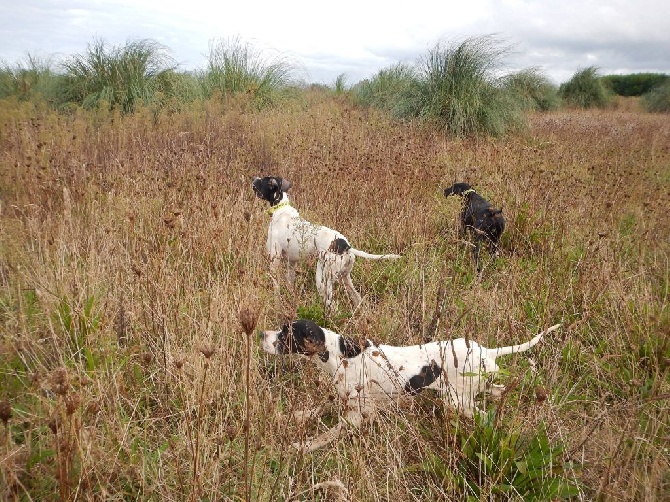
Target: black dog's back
{"x":480,"y":215}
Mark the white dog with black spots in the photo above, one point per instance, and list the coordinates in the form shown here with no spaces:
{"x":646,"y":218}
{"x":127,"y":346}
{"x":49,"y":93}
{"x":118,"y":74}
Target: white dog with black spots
{"x":367,"y":375}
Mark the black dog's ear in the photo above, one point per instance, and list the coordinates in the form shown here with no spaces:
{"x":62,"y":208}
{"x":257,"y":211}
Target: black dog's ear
{"x":456,"y":189}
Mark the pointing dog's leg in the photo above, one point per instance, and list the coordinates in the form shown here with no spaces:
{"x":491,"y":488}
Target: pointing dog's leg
{"x":495,"y":390}
{"x":303,"y":416}
{"x":354,"y":418}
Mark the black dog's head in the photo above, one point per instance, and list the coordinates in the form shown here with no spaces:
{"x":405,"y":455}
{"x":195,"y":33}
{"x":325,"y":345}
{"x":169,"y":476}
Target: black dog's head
{"x":301,"y":337}
{"x":270,"y":188}
{"x":456,"y":189}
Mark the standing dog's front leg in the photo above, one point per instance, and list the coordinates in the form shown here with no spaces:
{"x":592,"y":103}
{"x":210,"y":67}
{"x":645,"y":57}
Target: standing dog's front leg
{"x":324,"y":281}
{"x":276,"y":261}
{"x":275,"y":265}
{"x":475,"y":250}
{"x":494,"y":249}
{"x":290,"y":273}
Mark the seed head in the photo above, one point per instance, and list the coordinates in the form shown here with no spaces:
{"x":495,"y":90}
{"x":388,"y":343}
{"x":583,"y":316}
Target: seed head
{"x":54,"y":423}
{"x":72,"y":403}
{"x":231,"y":432}
{"x":207,"y":351}
{"x":248,"y":319}
{"x":60,"y":381}
{"x":5,"y":411}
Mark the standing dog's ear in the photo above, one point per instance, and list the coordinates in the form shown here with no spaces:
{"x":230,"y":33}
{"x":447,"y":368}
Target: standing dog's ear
{"x":285,"y":185}
{"x":282,"y":183}
{"x":277,"y":186}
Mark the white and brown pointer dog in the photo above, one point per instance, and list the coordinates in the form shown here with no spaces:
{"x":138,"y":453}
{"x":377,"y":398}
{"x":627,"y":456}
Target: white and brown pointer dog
{"x":292,"y":239}
{"x":367,"y":375}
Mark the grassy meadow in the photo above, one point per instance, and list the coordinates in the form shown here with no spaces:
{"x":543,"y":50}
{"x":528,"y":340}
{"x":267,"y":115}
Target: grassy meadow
{"x":133,"y":280}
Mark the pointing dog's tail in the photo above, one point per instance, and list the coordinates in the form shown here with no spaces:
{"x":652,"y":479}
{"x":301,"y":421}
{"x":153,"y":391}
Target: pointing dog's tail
{"x":503,"y":351}
{"x":363,"y":254}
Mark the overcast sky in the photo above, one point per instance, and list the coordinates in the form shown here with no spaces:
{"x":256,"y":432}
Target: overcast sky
{"x":353,"y":37}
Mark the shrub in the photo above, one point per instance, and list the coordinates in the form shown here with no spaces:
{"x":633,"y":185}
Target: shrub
{"x":121,"y":76}
{"x":237,"y":68}
{"x":658,"y":99}
{"x":455,"y":86}
{"x":386,"y":90}
{"x":30,"y":80}
{"x":636,"y":84}
{"x":586,"y":90}
{"x":533,"y":90}
{"x":496,"y":464}
{"x":340,"y":85}
{"x":461,"y":91}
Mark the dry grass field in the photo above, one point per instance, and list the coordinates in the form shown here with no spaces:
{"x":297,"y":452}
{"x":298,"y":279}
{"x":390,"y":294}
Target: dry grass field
{"x":132,"y":253}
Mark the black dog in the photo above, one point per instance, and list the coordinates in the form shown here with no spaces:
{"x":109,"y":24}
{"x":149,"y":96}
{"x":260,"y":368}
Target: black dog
{"x":483,"y":220}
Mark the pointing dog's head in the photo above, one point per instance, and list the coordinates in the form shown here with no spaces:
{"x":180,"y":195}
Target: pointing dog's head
{"x":456,"y":189}
{"x":300,"y":337}
{"x":270,"y":188}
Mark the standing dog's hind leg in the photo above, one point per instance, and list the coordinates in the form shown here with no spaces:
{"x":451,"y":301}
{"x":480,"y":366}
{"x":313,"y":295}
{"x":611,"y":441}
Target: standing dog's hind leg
{"x":353,"y":294}
{"x":343,"y":269}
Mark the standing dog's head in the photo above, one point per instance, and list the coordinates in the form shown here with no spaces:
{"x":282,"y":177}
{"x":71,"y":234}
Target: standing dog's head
{"x":270,"y":188}
{"x":456,"y":189}
{"x":300,"y":337}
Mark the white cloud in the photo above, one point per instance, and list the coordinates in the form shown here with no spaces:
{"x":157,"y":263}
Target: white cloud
{"x":354,"y":37}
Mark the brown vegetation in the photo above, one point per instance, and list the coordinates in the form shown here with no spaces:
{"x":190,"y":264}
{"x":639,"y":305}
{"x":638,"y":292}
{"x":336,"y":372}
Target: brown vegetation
{"x":132,"y":269}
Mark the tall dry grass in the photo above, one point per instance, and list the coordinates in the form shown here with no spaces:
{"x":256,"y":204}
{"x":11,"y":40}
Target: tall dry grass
{"x":132,"y":266}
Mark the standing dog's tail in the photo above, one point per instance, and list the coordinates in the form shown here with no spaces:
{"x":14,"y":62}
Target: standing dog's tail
{"x":363,"y":254}
{"x":502,"y":351}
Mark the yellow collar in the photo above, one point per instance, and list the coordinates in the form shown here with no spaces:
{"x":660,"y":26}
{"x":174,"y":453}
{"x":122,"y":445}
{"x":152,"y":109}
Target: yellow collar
{"x":468,"y":191}
{"x":272,"y":209}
